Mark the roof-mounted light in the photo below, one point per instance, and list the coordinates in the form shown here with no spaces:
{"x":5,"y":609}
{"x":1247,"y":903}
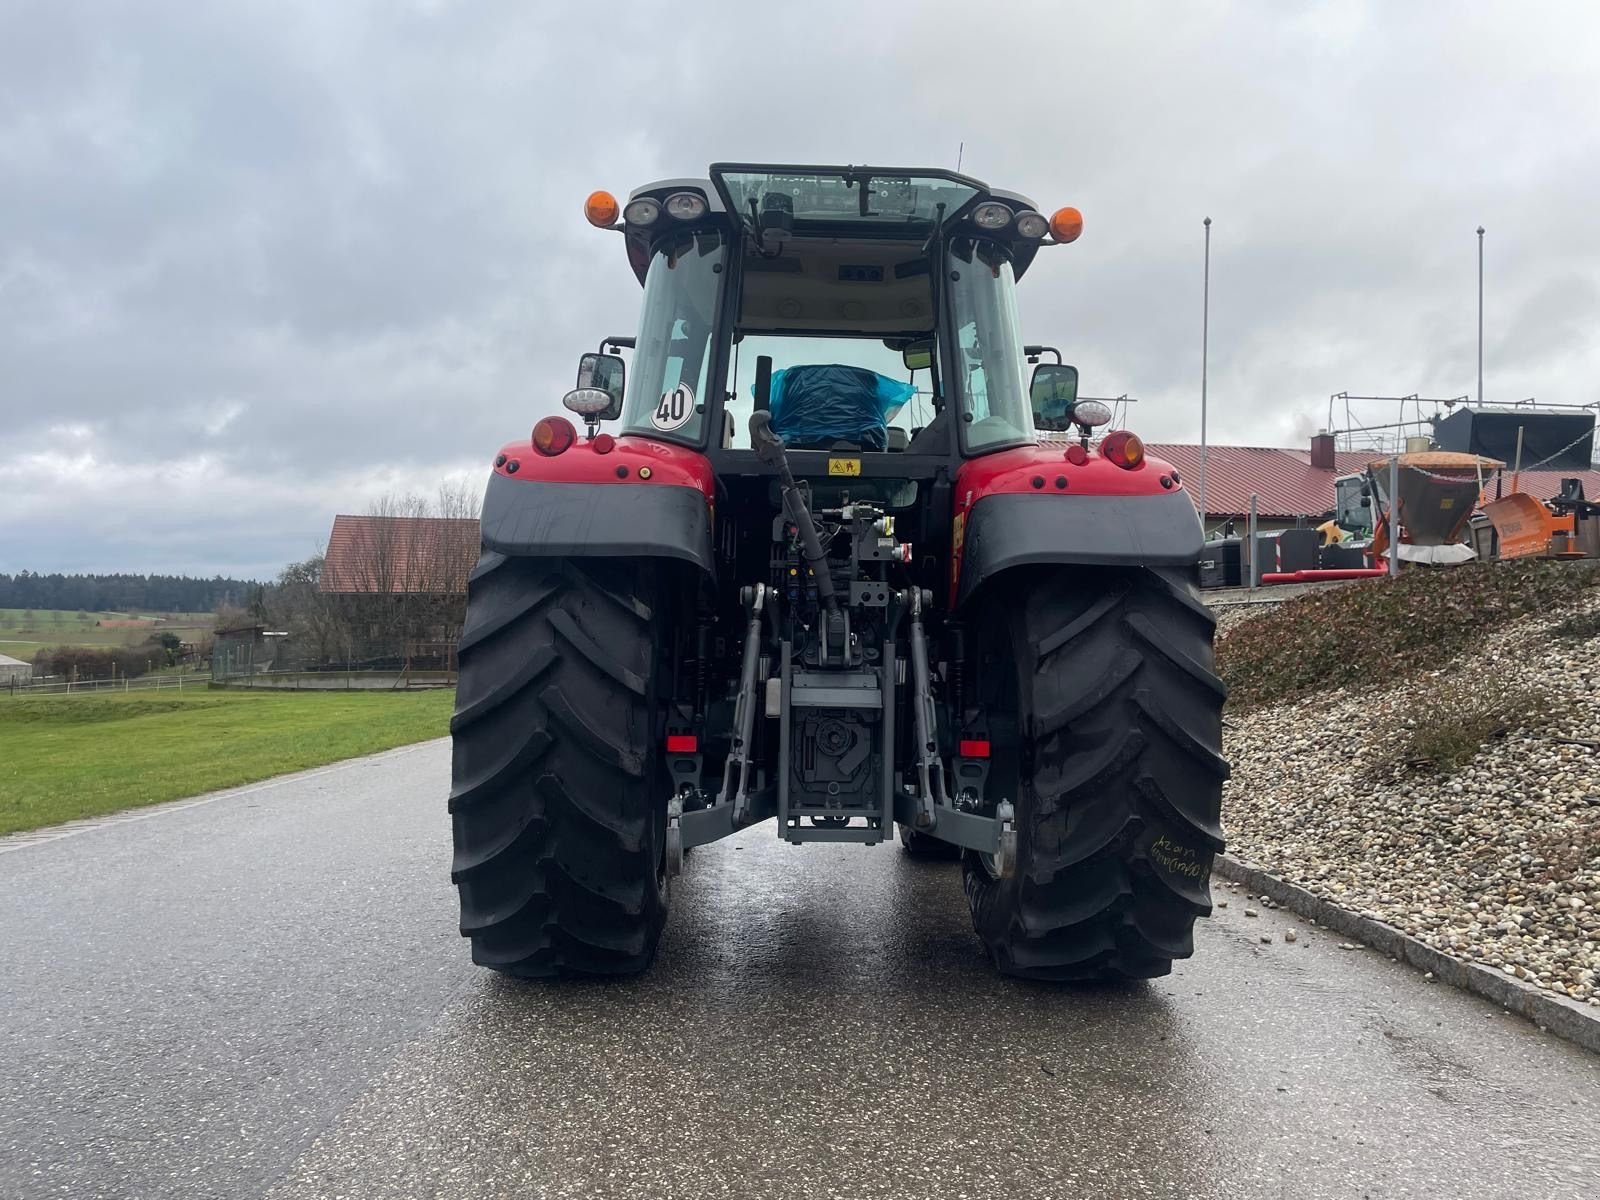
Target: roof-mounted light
{"x":1066,"y":224}
{"x":991,"y":215}
{"x":686,"y":206}
{"x":643,"y":211}
{"x":1032,"y":225}
{"x":600,"y":210}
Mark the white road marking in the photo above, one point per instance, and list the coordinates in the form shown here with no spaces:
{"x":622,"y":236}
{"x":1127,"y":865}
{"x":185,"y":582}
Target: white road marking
{"x":55,"y":833}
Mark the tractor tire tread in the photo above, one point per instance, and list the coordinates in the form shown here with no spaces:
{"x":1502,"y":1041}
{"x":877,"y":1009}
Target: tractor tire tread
{"x":555,"y":810}
{"x":1121,"y":777}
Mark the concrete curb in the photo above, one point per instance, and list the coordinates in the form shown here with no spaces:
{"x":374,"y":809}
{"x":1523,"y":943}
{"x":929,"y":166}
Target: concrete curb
{"x":1577,"y":1023}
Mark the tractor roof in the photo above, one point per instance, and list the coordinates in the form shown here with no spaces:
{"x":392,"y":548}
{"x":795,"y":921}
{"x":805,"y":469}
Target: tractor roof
{"x":859,"y":202}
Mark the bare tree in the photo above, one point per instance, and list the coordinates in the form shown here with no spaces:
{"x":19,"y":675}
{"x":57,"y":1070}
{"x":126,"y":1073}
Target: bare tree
{"x":314,"y":619}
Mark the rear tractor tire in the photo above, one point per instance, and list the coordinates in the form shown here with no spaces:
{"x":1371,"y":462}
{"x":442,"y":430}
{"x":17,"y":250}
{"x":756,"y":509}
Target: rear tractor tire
{"x":1117,"y":782}
{"x":558,"y":798}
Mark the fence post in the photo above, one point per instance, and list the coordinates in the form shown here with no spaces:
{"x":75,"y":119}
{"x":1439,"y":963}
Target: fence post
{"x":1255,"y":546}
{"x":1394,"y":516}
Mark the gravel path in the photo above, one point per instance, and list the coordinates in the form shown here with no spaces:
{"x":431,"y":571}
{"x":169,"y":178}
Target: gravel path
{"x":1497,"y":862}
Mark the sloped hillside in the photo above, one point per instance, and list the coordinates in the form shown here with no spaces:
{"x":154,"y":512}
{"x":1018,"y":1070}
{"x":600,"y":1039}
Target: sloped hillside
{"x":1427,"y":751}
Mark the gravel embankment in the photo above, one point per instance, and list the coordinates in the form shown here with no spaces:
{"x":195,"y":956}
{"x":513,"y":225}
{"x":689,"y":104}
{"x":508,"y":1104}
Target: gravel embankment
{"x":1234,"y":615}
{"x":1496,"y":863}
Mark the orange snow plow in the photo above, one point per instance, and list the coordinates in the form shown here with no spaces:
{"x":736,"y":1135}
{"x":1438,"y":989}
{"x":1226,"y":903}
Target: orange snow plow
{"x":1527,"y":528}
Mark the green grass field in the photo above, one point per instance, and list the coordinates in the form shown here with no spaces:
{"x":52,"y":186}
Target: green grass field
{"x":64,"y":757}
{"x":22,"y":635}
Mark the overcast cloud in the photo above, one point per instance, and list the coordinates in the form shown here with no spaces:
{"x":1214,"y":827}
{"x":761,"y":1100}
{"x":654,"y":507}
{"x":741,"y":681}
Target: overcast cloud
{"x":262,"y":262}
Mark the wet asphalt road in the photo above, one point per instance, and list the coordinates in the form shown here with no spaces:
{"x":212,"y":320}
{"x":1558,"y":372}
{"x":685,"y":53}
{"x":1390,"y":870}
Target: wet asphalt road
{"x":264,"y":994}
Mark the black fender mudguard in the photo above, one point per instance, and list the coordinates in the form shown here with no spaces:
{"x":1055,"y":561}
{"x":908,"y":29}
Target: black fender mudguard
{"x":615,"y":520}
{"x":1019,"y":529}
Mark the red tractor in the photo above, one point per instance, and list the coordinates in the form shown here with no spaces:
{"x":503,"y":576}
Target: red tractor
{"x":827,"y":574}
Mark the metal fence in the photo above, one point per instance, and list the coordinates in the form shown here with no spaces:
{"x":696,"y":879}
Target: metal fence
{"x":50,"y":686}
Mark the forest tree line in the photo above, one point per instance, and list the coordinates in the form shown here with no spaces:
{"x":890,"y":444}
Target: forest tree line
{"x":122,"y":593}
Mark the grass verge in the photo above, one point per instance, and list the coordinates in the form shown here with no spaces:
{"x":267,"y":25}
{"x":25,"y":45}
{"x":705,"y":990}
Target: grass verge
{"x":1456,"y":718}
{"x":65,"y":757}
{"x":1388,"y":629}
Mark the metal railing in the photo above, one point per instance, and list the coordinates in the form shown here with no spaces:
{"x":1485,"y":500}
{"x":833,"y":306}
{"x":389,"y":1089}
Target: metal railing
{"x":51,"y":686}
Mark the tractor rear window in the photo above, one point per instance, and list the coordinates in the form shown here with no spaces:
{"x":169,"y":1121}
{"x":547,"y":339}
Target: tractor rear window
{"x":906,"y":396}
{"x":668,"y":379}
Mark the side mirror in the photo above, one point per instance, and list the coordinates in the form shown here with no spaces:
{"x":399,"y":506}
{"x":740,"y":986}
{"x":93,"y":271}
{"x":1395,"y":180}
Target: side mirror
{"x":1366,"y":502}
{"x":604,"y":373}
{"x":917,"y":356}
{"x":1053,"y":392}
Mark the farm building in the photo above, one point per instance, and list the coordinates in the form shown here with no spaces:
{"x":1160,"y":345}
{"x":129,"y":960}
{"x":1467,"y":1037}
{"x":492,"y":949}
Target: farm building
{"x":400,"y":585}
{"x":14,"y":671}
{"x":247,"y":650}
{"x":1291,"y":485}
{"x":417,"y":556}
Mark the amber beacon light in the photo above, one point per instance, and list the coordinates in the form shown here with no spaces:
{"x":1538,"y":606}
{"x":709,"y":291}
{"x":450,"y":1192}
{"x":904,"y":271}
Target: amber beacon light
{"x":1066,"y":224}
{"x":601,"y":209}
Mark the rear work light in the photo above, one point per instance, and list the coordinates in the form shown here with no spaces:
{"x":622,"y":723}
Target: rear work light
{"x":553,"y":435}
{"x":991,"y":215}
{"x":643,"y":211}
{"x":686,"y":206}
{"x":1123,"y":448}
{"x":587,"y":402}
{"x":1032,"y":225}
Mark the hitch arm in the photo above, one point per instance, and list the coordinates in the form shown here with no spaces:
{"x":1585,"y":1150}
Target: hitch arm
{"x":931,"y":792}
{"x":769,"y":449}
{"x":736,"y":774}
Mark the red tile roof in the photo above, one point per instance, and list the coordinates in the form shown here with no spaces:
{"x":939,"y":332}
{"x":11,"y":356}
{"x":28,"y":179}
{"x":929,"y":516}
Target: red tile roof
{"x":1287,"y":485}
{"x":400,"y":555}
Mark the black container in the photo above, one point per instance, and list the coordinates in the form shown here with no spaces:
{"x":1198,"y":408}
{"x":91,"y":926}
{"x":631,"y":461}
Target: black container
{"x":1341,"y":558}
{"x":1560,"y":441}
{"x":1297,"y":549}
{"x":1267,"y":549}
{"x":1219,"y":564}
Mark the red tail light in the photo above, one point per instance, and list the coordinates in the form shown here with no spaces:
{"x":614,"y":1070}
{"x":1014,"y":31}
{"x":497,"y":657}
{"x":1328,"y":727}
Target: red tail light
{"x":1123,"y":448}
{"x":973,"y":748}
{"x":553,"y":435}
{"x":682,"y":743}
{"x":603,"y":443}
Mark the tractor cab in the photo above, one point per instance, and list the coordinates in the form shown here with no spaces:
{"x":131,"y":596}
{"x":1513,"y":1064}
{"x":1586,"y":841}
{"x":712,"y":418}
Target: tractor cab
{"x":871,"y":312}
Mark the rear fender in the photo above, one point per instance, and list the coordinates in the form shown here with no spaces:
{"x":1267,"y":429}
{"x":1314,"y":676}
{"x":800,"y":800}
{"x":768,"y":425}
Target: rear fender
{"x":643,"y":499}
{"x":1033,"y":506}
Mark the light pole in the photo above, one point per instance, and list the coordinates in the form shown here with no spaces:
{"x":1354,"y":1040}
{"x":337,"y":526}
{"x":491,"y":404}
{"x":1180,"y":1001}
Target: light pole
{"x":1205,"y":346}
{"x":1480,"y":316}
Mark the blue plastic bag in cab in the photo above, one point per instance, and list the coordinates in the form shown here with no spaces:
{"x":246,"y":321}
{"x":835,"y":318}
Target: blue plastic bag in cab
{"x":815,"y":406}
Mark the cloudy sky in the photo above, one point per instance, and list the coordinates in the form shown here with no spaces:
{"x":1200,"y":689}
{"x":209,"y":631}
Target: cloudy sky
{"x":260,"y":263}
